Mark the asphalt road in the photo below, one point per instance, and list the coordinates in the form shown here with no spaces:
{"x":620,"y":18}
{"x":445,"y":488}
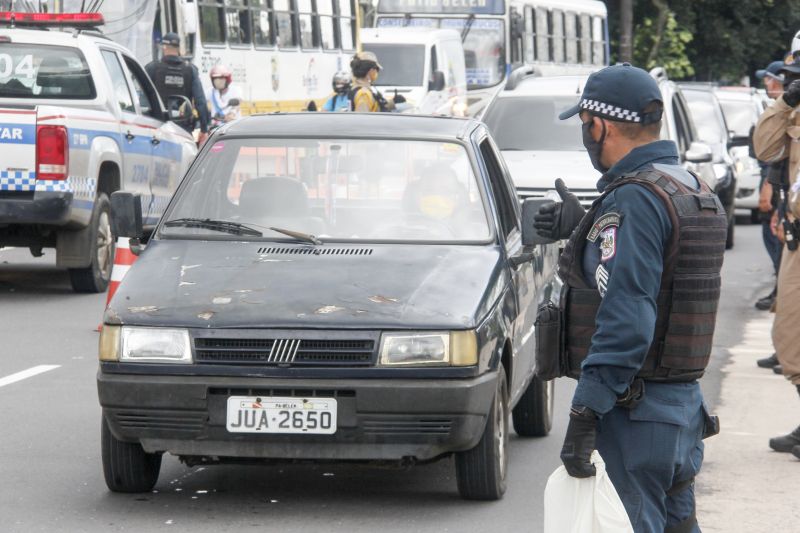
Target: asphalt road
{"x":50,"y":471}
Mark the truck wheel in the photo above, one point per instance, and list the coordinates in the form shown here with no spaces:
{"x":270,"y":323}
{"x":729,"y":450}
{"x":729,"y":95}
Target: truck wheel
{"x":96,"y":276}
{"x":126,"y":466}
{"x":481,"y":471}
{"x":533,"y":415}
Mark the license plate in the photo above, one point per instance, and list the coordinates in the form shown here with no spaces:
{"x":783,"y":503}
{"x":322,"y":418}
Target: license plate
{"x":253,"y":414}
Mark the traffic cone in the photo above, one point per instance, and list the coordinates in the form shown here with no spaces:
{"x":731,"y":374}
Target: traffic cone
{"x":123,"y":259}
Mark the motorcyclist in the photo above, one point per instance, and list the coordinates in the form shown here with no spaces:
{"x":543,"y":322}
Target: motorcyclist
{"x":339,"y":100}
{"x":224,"y":97}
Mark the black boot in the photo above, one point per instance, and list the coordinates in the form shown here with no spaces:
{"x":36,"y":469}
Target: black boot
{"x":778,"y":369}
{"x":786,"y":443}
{"x":765,"y":303}
{"x":768,"y":362}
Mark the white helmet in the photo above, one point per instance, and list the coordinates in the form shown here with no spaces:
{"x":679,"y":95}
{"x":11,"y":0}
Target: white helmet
{"x":796,"y":44}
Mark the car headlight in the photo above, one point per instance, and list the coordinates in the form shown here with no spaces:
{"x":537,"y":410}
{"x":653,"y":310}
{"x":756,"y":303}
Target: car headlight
{"x":434,"y":348}
{"x":145,"y":345}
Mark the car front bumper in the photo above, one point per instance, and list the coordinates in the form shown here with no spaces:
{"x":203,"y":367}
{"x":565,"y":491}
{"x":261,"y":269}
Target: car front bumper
{"x":377,"y":419}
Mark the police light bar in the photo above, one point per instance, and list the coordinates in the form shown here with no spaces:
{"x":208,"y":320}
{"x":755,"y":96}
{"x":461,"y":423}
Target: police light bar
{"x":72,"y":20}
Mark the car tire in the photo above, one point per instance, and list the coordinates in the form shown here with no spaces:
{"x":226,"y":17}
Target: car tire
{"x":729,"y":236}
{"x":533,"y":414}
{"x":755,"y":216}
{"x":96,"y":276}
{"x":126,"y":466}
{"x":481,"y":471}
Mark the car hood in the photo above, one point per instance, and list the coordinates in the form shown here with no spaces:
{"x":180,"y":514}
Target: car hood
{"x":223,"y":284}
{"x":539,"y":169}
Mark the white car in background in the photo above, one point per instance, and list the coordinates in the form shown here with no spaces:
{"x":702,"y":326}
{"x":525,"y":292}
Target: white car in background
{"x":538,"y":147}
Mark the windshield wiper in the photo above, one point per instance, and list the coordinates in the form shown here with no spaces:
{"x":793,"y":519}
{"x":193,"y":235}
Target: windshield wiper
{"x":298,"y":235}
{"x":467,"y":27}
{"x":227,"y":226}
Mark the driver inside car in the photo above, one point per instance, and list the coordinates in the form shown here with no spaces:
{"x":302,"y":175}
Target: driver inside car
{"x":437,"y":196}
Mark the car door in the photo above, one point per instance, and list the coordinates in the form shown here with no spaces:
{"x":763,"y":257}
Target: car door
{"x":165,"y":141}
{"x":522,"y":277}
{"x":134,"y":139}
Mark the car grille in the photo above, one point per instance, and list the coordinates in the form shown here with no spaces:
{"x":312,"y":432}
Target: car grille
{"x":285,"y":351}
{"x":161,"y":420}
{"x":406,"y":425}
{"x":586,"y":196}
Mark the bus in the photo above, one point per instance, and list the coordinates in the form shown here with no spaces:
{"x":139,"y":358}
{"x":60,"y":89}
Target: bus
{"x":558,"y":37}
{"x":283,"y":53}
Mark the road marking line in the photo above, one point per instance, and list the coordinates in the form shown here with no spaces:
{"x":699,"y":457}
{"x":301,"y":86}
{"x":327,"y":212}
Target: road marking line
{"x":29,"y":373}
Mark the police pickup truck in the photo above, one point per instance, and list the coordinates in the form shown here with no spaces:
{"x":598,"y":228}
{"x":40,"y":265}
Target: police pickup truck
{"x":79,"y":119}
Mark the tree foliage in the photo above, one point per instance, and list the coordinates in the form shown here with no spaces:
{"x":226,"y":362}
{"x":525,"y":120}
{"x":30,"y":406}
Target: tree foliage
{"x":709,"y":40}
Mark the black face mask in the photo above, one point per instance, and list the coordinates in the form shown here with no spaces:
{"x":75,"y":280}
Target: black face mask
{"x":594,"y":148}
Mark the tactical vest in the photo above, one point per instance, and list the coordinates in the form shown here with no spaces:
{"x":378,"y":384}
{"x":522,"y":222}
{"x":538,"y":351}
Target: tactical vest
{"x":690,"y":282}
{"x":172,"y":79}
{"x":383,"y":105}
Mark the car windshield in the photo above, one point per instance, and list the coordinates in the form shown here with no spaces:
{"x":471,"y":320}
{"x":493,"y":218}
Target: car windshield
{"x":705,"y":112}
{"x":46,"y":72}
{"x":332,"y":189}
{"x":740,"y":116}
{"x":531,"y":123}
{"x":403,"y":64}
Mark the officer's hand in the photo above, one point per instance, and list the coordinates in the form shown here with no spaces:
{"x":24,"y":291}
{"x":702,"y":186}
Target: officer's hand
{"x":399,"y":99}
{"x":557,"y":220}
{"x":579,"y":443}
{"x":792,"y":94}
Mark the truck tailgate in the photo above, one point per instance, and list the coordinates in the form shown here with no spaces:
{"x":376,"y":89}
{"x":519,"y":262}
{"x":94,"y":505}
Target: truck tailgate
{"x":18,"y":145}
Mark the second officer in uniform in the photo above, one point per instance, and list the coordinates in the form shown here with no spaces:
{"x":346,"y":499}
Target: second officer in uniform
{"x":172,"y":75}
{"x":642,"y":274}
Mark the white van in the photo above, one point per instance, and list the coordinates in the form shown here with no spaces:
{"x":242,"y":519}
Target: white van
{"x":425,"y":65}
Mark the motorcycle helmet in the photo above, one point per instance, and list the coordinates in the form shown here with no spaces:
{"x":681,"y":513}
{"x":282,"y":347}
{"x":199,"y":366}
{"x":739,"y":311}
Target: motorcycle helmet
{"x":796,"y":45}
{"x":341,"y":82}
{"x":223,"y":74}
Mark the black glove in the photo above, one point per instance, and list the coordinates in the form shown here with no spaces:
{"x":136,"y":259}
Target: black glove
{"x":398,"y":98}
{"x":579,"y":442}
{"x":792,"y":94}
{"x":557,"y":220}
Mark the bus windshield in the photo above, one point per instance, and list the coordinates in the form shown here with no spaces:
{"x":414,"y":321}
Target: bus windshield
{"x":484,"y":44}
{"x":403,"y":64}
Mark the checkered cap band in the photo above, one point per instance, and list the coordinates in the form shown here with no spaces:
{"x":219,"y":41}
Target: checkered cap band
{"x":610,"y":111}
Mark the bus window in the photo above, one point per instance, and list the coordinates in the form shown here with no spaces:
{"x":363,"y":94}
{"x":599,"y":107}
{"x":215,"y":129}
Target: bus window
{"x":262,"y":26}
{"x":305,"y":19}
{"x":542,"y":35}
{"x":347,"y":25}
{"x":283,"y":24}
{"x":516,"y":31}
{"x":530,"y":35}
{"x":238,"y":22}
{"x":571,"y":36}
{"x":557,"y":35}
{"x":598,"y":41}
{"x":585,"y":39}
{"x":212,"y":21}
{"x":484,"y":50}
{"x":326,"y":24}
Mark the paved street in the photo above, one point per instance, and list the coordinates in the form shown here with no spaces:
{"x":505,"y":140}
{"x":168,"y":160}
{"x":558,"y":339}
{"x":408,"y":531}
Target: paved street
{"x":52,"y":477}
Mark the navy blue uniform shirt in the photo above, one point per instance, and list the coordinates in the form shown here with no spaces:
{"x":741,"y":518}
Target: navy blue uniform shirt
{"x":625,"y":263}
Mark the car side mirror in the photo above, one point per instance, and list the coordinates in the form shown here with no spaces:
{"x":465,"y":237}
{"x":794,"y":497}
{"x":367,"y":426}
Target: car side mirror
{"x":126,"y":215}
{"x":437,"y":81}
{"x":530,"y":207}
{"x":699,"y":153}
{"x":738,"y":140}
{"x":180,"y":110}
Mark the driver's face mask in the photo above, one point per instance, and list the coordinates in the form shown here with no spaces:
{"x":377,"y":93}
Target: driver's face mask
{"x":437,"y":206}
{"x":219,"y":83}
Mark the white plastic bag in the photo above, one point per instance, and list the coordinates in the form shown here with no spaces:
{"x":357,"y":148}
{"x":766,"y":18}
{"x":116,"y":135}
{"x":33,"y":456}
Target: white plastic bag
{"x":588,"y":505}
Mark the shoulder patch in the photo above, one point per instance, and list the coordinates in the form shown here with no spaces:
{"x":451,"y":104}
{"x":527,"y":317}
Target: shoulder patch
{"x":608,"y":244}
{"x":606,"y":221}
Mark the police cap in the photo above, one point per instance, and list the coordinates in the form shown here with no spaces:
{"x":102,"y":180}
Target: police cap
{"x":772,"y":71}
{"x":620,"y":93}
{"x":171,"y":39}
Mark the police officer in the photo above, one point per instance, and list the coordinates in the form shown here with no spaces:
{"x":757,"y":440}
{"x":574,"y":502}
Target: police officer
{"x":364,"y":97}
{"x":642,"y":272}
{"x":174,"y":76}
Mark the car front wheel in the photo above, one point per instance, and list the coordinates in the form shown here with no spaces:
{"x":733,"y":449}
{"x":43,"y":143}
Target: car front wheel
{"x":481,"y":471}
{"x":126,"y":466}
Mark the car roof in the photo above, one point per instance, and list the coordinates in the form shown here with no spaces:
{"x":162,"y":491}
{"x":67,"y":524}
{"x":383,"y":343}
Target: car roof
{"x":744,"y":94}
{"x":547,"y":86}
{"x":58,"y":37}
{"x":383,"y":125}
